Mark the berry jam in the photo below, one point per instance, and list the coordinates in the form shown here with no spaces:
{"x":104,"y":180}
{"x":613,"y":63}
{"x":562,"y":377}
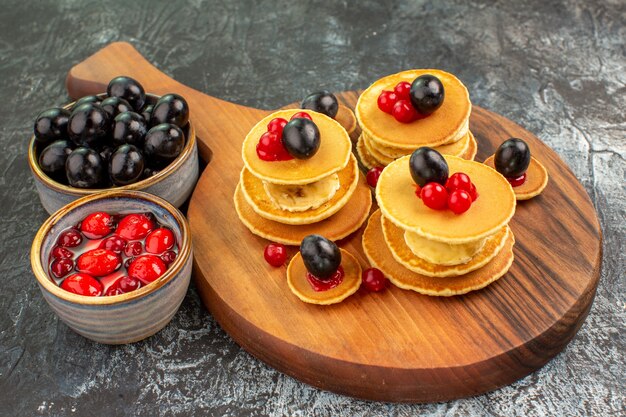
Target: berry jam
{"x":325,"y":285}
{"x":517,"y":181}
{"x":136,"y":251}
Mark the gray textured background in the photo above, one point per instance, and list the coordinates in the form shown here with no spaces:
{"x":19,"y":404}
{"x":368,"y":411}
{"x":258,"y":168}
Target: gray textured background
{"x":557,"y":68}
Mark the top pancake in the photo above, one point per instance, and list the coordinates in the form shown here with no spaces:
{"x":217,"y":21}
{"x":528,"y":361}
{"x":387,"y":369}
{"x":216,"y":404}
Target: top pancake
{"x":446,"y":124}
{"x":395,"y":193}
{"x":332,"y":156}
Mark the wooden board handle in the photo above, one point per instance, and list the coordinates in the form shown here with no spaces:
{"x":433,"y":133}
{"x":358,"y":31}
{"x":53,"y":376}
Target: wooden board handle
{"x":207,"y":113}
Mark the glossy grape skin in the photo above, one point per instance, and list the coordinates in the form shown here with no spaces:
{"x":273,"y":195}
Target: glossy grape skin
{"x":146,"y":112}
{"x":321,"y":256}
{"x":163,"y":143}
{"x":129,"y":127}
{"x":128,"y":89}
{"x":126,"y":165}
{"x":89,"y":125}
{"x":171,"y":108}
{"x":52,"y":159}
{"x":427,"y":165}
{"x":427,"y":94}
{"x":84,"y":168}
{"x":87,"y":99}
{"x":512,"y":158}
{"x":51,"y":125}
{"x":301,"y":138}
{"x":114,"y":106}
{"x":322,"y":102}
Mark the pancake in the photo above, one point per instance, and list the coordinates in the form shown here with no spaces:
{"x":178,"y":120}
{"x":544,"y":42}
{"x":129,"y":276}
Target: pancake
{"x":254,"y":191}
{"x":447,"y":124}
{"x":440,"y":253}
{"x":381,"y":257}
{"x":395,"y":194}
{"x":536,"y":179}
{"x":345,"y":117}
{"x":332,"y":156}
{"x":394,"y":237}
{"x":338,"y":226}
{"x":299,"y":285}
{"x":365,"y":157}
{"x":383,"y":159}
{"x":472,"y":148}
{"x":303,"y":197}
{"x":382,"y":153}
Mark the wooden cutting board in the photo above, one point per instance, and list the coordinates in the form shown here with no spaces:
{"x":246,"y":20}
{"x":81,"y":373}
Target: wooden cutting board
{"x":397,"y":345}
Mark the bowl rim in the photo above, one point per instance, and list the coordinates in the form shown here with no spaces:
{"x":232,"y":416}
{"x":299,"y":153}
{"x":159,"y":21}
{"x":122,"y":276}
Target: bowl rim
{"x":44,"y":280}
{"x":139,"y":185}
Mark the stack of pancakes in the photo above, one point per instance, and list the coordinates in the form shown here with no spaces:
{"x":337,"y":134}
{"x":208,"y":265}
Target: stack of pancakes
{"x":436,"y":252}
{"x":284,"y":201}
{"x":384,"y":139}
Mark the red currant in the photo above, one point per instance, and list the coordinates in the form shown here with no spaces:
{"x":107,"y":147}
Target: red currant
{"x":270,"y":148}
{"x":113,"y":243}
{"x":276,"y":125}
{"x":275,"y":254}
{"x":128,"y":284}
{"x":114,"y":289}
{"x":133,"y":248}
{"x":98,"y":262}
{"x":135,"y":226}
{"x":434,"y":195}
{"x":70,"y":238}
{"x":374,"y":280}
{"x":373,"y":175}
{"x":301,"y":115}
{"x":147,"y":268}
{"x":168,"y":257}
{"x":97,"y":225}
{"x":473,"y":192}
{"x":386,"y":101}
{"x":517,"y":181}
{"x":404,"y":112}
{"x":159,"y":240}
{"x":61,"y":267}
{"x":459,"y":181}
{"x":459,"y":201}
{"x":402,"y":90}
{"x":82,"y":284}
{"x":60,"y":252}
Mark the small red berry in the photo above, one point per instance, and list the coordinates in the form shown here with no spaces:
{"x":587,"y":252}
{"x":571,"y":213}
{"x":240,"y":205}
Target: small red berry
{"x":82,"y":284}
{"x":97,"y":225}
{"x":133,"y":248}
{"x":270,"y":148}
{"x":127,"y":262}
{"x":168,"y":256}
{"x":473,"y":192}
{"x":404,"y":112}
{"x":147,"y":268}
{"x":301,"y":115}
{"x":435,"y":196}
{"x":135,"y":226}
{"x":373,"y":175}
{"x":159,"y":240}
{"x":61,"y":267}
{"x":458,"y":181}
{"x":517,"y":181}
{"x":70,"y":238}
{"x":128,"y":284}
{"x":374,"y":280}
{"x":275,"y":254}
{"x":459,"y":201}
{"x":98,"y":262}
{"x":386,"y":101}
{"x":114,"y":289}
{"x":276,"y":125}
{"x":113,"y":243}
{"x":60,"y":252}
{"x":402,"y":90}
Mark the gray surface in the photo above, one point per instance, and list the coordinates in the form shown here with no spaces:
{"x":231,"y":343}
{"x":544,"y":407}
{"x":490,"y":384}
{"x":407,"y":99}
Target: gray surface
{"x":556,"y":68}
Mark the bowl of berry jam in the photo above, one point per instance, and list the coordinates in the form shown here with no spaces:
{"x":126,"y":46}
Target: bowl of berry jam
{"x":124,"y":139}
{"x":114,"y":266}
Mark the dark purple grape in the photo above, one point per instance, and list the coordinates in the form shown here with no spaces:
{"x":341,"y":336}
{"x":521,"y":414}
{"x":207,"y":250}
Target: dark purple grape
{"x":149,"y":172}
{"x":51,"y":125}
{"x":163,"y":143}
{"x":426,"y":94}
{"x":128,"y":89}
{"x":129,"y":127}
{"x":171,"y":108}
{"x":427,"y":165}
{"x":89,"y":125}
{"x":301,"y":138}
{"x":105,"y":153}
{"x":126,"y":165}
{"x":114,"y":106}
{"x":52,"y":159}
{"x":322,"y":102}
{"x":512,"y":158}
{"x":84,"y":168}
{"x":87,"y":99}
{"x":146,"y":112}
{"x":321,"y":256}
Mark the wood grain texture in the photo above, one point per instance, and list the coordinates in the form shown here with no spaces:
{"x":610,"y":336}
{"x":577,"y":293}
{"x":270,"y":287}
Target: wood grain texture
{"x":398,"y":345}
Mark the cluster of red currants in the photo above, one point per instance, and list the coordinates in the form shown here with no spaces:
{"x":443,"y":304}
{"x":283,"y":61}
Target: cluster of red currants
{"x":458,"y":194}
{"x":398,"y":103}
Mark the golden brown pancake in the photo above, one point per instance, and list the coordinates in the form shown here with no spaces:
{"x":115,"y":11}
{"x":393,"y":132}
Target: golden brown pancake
{"x":336,"y":227}
{"x":381,"y":257}
{"x":332,"y":156}
{"x":345,"y":117}
{"x":536,"y":179}
{"x":256,"y":196}
{"x":365,"y":157}
{"x":299,"y":285}
{"x":395,"y":194}
{"x":472,"y":149}
{"x":394,"y":238}
{"x":447,"y":124}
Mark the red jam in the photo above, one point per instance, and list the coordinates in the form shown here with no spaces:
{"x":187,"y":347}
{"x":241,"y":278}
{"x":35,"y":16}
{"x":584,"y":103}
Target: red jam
{"x":325,"y":285}
{"x":111,"y":254}
{"x":516,"y":182}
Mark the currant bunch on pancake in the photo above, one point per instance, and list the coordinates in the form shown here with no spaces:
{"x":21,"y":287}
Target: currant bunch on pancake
{"x":285,"y":140}
{"x":412,"y":101}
